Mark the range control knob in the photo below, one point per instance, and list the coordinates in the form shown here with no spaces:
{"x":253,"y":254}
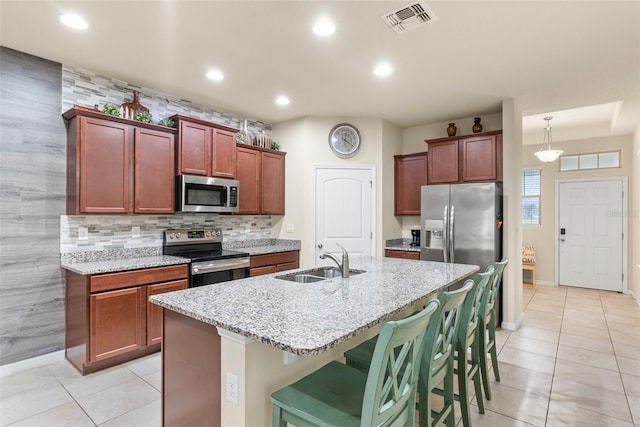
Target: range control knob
{"x":208,"y":234}
{"x":195,"y":269}
{"x":218,"y":232}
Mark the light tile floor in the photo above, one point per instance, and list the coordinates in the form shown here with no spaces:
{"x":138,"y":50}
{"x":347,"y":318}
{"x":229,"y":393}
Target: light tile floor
{"x":574,"y":362}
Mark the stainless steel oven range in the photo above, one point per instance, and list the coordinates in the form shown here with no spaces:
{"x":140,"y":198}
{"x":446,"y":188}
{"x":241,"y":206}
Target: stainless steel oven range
{"x":209,"y":262}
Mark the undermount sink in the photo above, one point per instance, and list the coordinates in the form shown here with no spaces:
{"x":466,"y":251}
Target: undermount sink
{"x":317,"y":274}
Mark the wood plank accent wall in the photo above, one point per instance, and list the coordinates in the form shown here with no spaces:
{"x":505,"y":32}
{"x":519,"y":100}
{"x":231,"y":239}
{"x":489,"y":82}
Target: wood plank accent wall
{"x":32,"y":196}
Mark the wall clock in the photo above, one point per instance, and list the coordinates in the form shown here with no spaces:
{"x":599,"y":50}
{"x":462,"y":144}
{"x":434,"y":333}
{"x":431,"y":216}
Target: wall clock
{"x":344,"y":140}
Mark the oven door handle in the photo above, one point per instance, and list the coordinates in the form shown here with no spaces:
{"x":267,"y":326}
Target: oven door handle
{"x":221,"y":265}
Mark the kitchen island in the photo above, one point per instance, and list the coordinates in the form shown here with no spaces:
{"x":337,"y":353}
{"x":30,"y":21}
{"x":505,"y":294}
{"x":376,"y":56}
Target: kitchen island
{"x":227,"y":347}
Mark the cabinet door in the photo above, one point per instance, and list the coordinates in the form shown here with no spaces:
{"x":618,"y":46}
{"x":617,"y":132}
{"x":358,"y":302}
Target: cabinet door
{"x":410,"y":175}
{"x":154,"y":312}
{"x":223,"y":154}
{"x":443,"y":163}
{"x":154,"y":172}
{"x":248,"y":173}
{"x":104,"y":166}
{"x":116,"y":323}
{"x":194,"y":149}
{"x":272,"y":184}
{"x":479,"y":158}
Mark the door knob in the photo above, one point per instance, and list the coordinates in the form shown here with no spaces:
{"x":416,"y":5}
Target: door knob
{"x":319,"y":245}
{"x":562,"y":239}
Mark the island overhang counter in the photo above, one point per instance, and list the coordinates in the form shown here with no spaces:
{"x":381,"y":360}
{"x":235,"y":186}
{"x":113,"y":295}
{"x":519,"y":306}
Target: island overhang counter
{"x":262,"y":333}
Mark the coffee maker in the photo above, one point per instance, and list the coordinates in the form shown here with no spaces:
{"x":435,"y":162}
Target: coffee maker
{"x":415,"y":238}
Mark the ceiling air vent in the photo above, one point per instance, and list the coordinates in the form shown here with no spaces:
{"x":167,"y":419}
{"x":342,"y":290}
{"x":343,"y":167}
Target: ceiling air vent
{"x":408,"y":17}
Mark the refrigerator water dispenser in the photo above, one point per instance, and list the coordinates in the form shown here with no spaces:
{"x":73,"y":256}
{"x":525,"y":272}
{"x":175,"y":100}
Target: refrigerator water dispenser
{"x":433,"y":233}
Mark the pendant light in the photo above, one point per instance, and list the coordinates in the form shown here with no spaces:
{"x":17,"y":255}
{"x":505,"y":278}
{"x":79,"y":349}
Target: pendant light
{"x":547,"y":154}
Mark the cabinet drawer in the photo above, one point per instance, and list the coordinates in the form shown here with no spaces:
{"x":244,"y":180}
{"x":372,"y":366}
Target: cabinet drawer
{"x":275,"y":258}
{"x":288,"y":266}
{"x":259,"y":271}
{"x":389,"y":253}
{"x":106,"y":282}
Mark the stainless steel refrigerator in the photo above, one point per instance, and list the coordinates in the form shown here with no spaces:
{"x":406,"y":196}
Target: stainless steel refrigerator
{"x":462,"y":223}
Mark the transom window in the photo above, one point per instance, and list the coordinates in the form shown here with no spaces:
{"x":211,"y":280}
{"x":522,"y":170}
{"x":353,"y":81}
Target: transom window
{"x":609,"y":159}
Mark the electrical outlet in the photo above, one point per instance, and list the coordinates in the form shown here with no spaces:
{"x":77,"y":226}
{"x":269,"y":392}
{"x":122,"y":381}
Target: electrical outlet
{"x":232,"y":388}
{"x":135,"y":231}
{"x":289,"y":228}
{"x":83,"y":233}
{"x":247,"y":227}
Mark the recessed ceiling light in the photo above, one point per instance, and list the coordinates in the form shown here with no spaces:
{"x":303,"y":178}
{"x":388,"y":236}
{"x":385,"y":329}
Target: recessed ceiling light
{"x":215,"y":75}
{"x":324,"y":27}
{"x":282,"y":100}
{"x":74,"y":21}
{"x":383,"y":70}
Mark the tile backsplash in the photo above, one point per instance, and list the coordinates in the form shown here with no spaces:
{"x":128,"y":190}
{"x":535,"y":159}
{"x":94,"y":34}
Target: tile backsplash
{"x":109,"y":232}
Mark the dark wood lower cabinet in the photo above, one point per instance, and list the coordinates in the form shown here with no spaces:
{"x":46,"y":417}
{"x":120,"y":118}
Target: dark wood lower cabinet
{"x":272,"y":263}
{"x":109,"y":319}
{"x":390,"y":253}
{"x":190,"y":372}
{"x":116,"y":322}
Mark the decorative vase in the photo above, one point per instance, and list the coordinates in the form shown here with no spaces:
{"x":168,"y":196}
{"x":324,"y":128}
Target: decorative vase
{"x":452,"y":129}
{"x":477,"y":127}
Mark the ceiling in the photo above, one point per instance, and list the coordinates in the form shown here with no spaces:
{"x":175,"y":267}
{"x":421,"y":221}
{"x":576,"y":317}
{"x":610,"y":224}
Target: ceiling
{"x":550,"y":56}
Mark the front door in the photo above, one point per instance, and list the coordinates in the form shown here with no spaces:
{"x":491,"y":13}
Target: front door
{"x":344,"y":207}
{"x":590,"y":234}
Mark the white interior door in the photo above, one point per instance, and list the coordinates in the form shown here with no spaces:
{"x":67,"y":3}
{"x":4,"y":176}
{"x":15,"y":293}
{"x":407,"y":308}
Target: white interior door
{"x":343,"y":211}
{"x":590,"y":234}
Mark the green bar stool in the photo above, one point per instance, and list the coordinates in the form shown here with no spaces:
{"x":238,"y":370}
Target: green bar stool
{"x":487,"y":327}
{"x":437,"y":360}
{"x":338,"y":395}
{"x":468,"y":365}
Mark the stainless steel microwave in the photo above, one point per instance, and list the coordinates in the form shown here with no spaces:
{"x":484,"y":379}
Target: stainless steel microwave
{"x":206,"y":194}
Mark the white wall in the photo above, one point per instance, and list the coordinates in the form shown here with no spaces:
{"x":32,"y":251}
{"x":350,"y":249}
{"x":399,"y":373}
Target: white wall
{"x":634,"y":232}
{"x":543,"y":237}
{"x":305,"y":141}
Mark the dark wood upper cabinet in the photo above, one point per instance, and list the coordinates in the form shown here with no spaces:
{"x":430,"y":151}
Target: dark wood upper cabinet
{"x":194,"y":148}
{"x":223,"y":153}
{"x":205,"y":148}
{"x":154,"y":172}
{"x":443,"y":163}
{"x":273,"y":183}
{"x":261,"y":173}
{"x":118,"y":166}
{"x":410,"y":173}
{"x":249,"y":169}
{"x":103,"y":159}
{"x":472,"y":158}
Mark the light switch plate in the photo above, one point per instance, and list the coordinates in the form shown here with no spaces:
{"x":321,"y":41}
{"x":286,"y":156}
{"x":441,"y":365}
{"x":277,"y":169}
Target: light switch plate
{"x":289,"y":228}
{"x":83,"y":233}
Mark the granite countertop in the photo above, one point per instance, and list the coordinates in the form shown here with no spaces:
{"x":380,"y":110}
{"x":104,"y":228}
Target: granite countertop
{"x":310,"y":318}
{"x":111,"y":261}
{"x":115,"y":265}
{"x":403,"y":244}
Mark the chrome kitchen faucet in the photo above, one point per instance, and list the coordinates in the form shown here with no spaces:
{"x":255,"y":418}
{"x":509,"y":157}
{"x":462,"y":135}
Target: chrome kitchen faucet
{"x":342,"y":265}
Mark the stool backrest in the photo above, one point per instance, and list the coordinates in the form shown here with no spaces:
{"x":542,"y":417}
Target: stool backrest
{"x":441,"y":333}
{"x":471,"y":307}
{"x":493,"y":287}
{"x":390,"y":392}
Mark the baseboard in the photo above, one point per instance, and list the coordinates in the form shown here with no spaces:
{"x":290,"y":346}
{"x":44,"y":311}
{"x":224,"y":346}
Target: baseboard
{"x":34,"y":362}
{"x":513,"y":326}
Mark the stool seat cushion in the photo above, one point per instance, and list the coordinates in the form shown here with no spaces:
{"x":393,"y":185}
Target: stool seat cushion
{"x":333,"y":394}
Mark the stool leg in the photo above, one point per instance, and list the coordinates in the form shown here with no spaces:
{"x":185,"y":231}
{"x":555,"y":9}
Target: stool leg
{"x":461,"y":357}
{"x":482,"y":343}
{"x":477,"y":381}
{"x":449,"y":399}
{"x":276,"y":417}
{"x":424,"y":405}
{"x":492,"y":350}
